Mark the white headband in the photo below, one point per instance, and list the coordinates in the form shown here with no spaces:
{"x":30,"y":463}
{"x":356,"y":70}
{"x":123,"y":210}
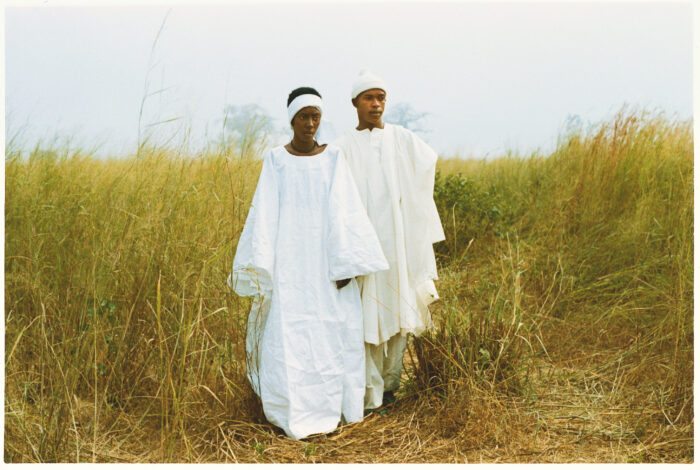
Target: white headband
{"x":301,"y":102}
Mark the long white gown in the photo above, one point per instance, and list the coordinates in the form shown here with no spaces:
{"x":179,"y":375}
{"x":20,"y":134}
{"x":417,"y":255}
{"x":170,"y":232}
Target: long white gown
{"x":307,"y":228}
{"x":394,"y":171}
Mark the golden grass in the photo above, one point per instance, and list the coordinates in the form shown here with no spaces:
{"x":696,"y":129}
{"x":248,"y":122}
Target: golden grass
{"x":564,"y":332}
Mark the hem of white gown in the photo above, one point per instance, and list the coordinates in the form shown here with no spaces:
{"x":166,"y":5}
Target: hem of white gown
{"x":426,"y":291}
{"x":323,"y":431}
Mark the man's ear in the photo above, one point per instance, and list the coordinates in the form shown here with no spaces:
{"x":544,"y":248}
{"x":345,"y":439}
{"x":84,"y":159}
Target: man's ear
{"x":354,"y":102}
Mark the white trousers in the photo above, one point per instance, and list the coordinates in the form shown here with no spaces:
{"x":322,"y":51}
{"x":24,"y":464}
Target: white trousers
{"x":383,"y":370}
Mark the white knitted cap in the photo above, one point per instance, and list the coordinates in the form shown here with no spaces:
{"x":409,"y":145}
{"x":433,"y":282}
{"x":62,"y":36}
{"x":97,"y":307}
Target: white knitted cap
{"x":366,"y":80}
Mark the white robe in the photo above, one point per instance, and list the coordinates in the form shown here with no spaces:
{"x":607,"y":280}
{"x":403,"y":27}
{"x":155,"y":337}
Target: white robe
{"x":306,"y":228}
{"x":394,"y":171}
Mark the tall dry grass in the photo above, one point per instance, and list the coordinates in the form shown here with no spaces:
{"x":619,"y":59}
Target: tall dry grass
{"x":116,"y":299}
{"x":582,"y":259}
{"x":124,"y":343}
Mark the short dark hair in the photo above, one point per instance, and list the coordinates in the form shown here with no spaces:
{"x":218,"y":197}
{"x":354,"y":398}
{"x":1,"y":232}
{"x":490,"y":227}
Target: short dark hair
{"x":305,"y":90}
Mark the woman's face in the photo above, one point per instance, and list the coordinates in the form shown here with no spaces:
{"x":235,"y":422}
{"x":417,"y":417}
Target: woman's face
{"x":305,"y":123}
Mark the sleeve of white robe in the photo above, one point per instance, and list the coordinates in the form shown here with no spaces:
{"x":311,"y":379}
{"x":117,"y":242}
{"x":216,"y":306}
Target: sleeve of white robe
{"x":421,"y":219}
{"x":424,"y":161}
{"x":253,"y":265}
{"x":353,"y":246}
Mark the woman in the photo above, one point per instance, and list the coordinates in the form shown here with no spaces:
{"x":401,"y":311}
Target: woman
{"x":306,"y":237}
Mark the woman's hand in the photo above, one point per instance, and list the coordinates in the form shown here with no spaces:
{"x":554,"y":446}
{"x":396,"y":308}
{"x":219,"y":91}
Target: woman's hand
{"x":342,"y":283}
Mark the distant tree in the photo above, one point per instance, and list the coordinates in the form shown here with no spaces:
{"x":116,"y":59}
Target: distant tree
{"x":573,"y":124}
{"x":405,"y":115}
{"x":571,"y":128}
{"x":246,"y":130}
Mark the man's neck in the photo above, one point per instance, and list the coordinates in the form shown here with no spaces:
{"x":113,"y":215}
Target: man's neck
{"x":363,"y":126}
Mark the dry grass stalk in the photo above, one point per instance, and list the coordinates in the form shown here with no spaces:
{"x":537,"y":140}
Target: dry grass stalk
{"x":564,"y":332}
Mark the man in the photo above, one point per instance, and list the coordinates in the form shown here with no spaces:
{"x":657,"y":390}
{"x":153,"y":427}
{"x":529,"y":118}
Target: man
{"x":394,"y":172}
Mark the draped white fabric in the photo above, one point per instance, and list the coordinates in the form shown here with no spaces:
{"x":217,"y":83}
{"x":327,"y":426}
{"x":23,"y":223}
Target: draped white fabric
{"x":394,"y":171}
{"x":306,"y":228}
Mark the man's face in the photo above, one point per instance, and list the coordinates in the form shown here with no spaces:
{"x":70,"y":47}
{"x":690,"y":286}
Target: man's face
{"x":370,"y":107}
{"x":306,"y":122}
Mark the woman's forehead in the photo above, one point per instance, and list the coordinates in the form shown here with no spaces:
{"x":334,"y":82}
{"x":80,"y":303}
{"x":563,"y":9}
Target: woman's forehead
{"x":309,"y":110}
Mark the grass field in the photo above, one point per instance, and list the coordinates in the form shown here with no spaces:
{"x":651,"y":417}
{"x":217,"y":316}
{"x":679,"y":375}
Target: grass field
{"x":564,"y":332}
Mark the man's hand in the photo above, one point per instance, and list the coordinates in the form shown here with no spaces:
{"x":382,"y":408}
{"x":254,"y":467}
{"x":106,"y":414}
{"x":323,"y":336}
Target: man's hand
{"x":342,"y":283}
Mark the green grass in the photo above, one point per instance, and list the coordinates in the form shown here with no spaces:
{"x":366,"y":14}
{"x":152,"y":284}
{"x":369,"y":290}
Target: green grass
{"x":120,"y":327}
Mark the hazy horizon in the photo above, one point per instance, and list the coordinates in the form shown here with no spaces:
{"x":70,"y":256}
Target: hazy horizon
{"x":492,"y":77}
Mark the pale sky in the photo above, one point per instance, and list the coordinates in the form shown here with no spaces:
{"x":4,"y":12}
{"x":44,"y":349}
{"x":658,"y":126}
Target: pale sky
{"x":493,"y":76}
